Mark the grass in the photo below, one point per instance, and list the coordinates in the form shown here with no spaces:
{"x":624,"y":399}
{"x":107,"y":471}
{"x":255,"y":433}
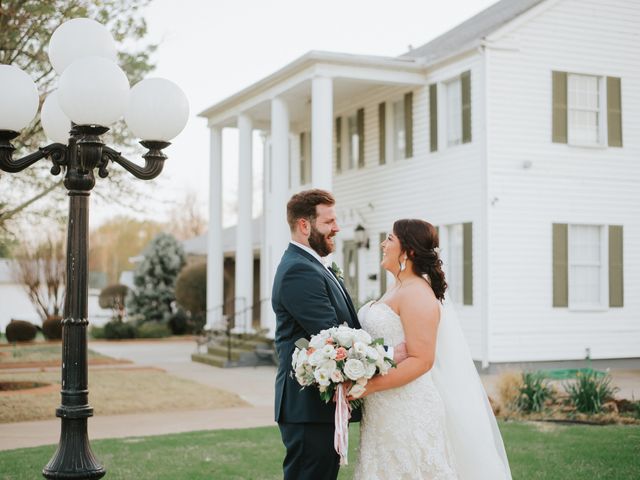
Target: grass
{"x":114,"y":391}
{"x":35,"y":352}
{"x":536,"y":452}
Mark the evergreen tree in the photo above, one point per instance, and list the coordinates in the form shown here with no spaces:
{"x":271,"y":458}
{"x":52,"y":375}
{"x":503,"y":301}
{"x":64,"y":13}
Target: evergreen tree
{"x":155,"y":279}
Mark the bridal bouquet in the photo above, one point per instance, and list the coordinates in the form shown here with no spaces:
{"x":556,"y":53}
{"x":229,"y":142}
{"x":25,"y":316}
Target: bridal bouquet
{"x":332,"y":357}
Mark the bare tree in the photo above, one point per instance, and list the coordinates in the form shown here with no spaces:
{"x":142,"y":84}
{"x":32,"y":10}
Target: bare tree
{"x":42,"y":272}
{"x":186,"y":219}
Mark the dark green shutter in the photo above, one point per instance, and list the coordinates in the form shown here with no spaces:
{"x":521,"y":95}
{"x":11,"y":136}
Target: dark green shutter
{"x":383,"y":272}
{"x":465,"y":85}
{"x":302,"y":157}
{"x":467,"y":263}
{"x":614,"y":112}
{"x":616,"y":277}
{"x":559,"y":101}
{"x":408,"y":125}
{"x":360,"y":120}
{"x":382,"y":133}
{"x":560,"y":265}
{"x":433,"y":116}
{"x":339,"y":144}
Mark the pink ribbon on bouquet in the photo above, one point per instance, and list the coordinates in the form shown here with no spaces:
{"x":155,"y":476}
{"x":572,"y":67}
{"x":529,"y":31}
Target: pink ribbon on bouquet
{"x":341,"y":435}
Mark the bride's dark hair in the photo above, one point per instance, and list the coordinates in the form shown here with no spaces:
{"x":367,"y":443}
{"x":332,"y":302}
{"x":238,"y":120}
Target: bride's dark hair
{"x":419,"y":240}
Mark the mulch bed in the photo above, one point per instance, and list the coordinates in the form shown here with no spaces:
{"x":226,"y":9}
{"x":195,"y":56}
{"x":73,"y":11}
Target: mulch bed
{"x":58,"y":363}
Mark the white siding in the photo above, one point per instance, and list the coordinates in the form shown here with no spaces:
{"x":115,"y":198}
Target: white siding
{"x":441,"y":187}
{"x":565,"y":184}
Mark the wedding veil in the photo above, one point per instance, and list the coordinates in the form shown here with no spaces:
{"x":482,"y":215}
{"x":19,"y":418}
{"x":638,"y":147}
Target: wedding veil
{"x":471,"y":426}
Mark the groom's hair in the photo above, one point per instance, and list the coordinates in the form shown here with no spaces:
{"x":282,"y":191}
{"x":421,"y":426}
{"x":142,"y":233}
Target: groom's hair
{"x":303,"y":205}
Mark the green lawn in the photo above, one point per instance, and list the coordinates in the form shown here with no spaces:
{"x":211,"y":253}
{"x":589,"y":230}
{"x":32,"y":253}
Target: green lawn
{"x":536,"y":451}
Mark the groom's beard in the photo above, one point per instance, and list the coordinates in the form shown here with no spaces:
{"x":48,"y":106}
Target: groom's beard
{"x":320,"y":243}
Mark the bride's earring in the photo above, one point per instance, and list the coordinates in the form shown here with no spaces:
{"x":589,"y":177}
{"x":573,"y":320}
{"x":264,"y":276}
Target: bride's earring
{"x":403,"y":265}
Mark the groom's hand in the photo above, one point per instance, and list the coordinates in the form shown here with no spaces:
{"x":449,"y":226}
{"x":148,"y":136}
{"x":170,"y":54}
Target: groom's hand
{"x":400,"y":353}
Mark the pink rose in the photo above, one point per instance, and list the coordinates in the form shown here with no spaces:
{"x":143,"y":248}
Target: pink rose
{"x":341,"y":353}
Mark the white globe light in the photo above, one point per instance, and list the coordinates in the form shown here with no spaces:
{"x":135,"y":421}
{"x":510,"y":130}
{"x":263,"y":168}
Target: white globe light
{"x":79,"y":38}
{"x":158,"y":110}
{"x":19,"y":98}
{"x":55,"y":123}
{"x":93,"y":91}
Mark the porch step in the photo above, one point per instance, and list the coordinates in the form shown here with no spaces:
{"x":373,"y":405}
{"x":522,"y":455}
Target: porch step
{"x":247,"y":359}
{"x":246,"y":350}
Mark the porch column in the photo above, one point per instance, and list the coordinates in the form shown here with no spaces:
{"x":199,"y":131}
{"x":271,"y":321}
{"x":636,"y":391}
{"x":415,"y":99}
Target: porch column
{"x":244,"y":239}
{"x":322,"y":132}
{"x":277,"y":233}
{"x":215,"y":253}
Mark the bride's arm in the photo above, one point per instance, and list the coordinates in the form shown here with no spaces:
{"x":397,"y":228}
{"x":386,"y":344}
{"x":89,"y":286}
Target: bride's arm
{"x":420,"y":315}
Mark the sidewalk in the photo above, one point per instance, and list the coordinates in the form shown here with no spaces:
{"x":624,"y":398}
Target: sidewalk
{"x":254,"y":385}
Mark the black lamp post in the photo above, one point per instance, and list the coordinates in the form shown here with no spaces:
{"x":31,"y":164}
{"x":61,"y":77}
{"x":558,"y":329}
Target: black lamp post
{"x":78,"y":158}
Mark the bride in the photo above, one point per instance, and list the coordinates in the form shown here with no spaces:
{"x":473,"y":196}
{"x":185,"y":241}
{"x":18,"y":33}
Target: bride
{"x":429,"y":418}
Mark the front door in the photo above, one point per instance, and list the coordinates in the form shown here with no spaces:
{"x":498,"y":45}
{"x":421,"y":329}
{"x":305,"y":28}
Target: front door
{"x":350,"y":255}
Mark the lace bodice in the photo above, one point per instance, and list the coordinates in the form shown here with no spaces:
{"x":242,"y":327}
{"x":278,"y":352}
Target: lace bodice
{"x":402,"y":434}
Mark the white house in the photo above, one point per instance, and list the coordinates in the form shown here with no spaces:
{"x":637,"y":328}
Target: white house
{"x":517,"y":133}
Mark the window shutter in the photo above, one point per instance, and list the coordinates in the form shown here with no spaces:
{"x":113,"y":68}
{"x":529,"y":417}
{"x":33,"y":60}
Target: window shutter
{"x":465,"y":84}
{"x":559,"y":101}
{"x":433,"y":116}
{"x":408,"y":125}
{"x":360,"y":120}
{"x":467,"y":263}
{"x":382,"y":133}
{"x":339,"y":144}
{"x":560,"y":265}
{"x":383,"y":272}
{"x":303,"y":160}
{"x":616,"y":278}
{"x":614,"y":111}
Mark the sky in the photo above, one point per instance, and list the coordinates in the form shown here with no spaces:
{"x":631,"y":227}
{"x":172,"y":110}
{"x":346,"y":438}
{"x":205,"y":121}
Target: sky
{"x":214,"y":48}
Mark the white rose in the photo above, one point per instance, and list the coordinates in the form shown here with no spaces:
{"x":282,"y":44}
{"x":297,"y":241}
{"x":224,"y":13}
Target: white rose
{"x":370,"y":369}
{"x":318,"y":341}
{"x":337,"y":377}
{"x":357,"y":390}
{"x":360,"y":348}
{"x":362,"y":336}
{"x":329,"y":366}
{"x":316,"y":358}
{"x":354,"y":369}
{"x":344,"y":336}
{"x":329,"y":351}
{"x":372,"y":354}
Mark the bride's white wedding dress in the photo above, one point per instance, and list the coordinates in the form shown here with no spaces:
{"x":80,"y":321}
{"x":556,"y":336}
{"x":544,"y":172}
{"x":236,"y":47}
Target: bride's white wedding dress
{"x":440,"y":426}
{"x":402,"y":432}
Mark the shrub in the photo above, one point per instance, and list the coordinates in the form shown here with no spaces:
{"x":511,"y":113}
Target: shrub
{"x":153,"y":330}
{"x":179,"y":323}
{"x":117,"y":330}
{"x":113,"y":297}
{"x":589,"y":391}
{"x":534,"y":392}
{"x":52,"y":328}
{"x":509,"y":386}
{"x":191,"y":288}
{"x":97,"y":332}
{"x":20,"y":331}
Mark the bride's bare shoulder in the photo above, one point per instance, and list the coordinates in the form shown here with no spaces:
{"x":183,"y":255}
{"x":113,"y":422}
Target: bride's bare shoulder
{"x":418,"y":298}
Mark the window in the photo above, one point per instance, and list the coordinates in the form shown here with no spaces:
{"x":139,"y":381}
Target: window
{"x":399,"y":144}
{"x":584,"y":109}
{"x":456,"y":242}
{"x":352,"y":122}
{"x":454,"y":112}
{"x":587,"y":266}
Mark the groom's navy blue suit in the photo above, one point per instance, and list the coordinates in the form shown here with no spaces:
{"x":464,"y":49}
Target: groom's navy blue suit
{"x":306,"y":298}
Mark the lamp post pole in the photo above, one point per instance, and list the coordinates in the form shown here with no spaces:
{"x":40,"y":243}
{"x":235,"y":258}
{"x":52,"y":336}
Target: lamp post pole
{"x":94,"y":92}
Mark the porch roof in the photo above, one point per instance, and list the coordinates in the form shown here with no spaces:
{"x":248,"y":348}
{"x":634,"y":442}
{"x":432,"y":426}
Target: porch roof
{"x":351,"y":73}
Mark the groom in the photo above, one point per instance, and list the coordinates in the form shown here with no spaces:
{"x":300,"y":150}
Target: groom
{"x":307,"y":297}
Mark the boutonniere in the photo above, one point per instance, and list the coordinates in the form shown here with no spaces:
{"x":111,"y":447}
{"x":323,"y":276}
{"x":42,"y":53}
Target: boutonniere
{"x":337,"y":271}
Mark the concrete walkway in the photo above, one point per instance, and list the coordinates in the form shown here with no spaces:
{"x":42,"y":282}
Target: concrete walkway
{"x":254,"y":385}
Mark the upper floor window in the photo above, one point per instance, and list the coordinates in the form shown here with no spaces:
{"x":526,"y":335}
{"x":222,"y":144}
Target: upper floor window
{"x":454,"y":96}
{"x":350,"y":152}
{"x":399,"y":144}
{"x":454,"y":112}
{"x":587,"y":110}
